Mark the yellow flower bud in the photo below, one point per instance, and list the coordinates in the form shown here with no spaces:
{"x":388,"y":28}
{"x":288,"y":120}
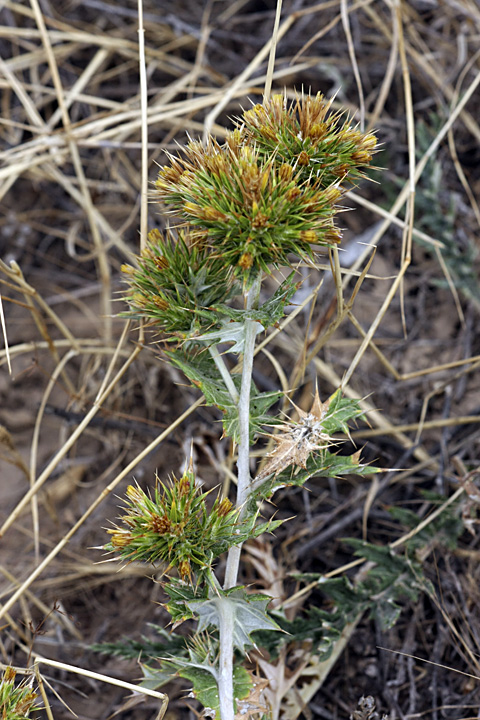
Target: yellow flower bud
{"x":293,"y":193}
{"x":161,"y":262}
{"x":192,"y":209}
{"x":361,"y":156}
{"x":369,"y":142}
{"x":224,"y":507}
{"x":332,"y":235}
{"x":211,"y":213}
{"x":120,"y":538}
{"x":303,"y":159}
{"x":134,"y":494}
{"x":9,"y":674}
{"x":183,"y":485}
{"x":285,"y":172}
{"x":234,"y":137}
{"x":308,"y":236}
{"x":264,"y":180}
{"x":138,"y":299}
{"x":318,"y":130}
{"x":185,"y":570}
{"x":160,"y":303}
{"x":331,"y":195}
{"x":341,"y":170}
{"x":246,"y":261}
{"x":352,"y":136}
{"x":154,"y":235}
{"x":277,"y":100}
{"x":127,"y":269}
{"x":268,"y":132}
{"x":248,"y":154}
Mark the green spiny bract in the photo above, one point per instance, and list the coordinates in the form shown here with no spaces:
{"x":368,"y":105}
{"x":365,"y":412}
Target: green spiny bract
{"x":305,"y":136}
{"x":177,"y":527}
{"x":177,"y":283}
{"x":255,"y":212}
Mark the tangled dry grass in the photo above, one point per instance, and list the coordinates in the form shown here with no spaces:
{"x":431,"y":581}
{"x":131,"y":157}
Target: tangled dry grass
{"x":85,"y":402}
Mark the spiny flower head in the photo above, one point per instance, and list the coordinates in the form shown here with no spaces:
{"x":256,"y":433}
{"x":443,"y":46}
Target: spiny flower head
{"x":16,"y":701}
{"x":255,"y":210}
{"x":177,"y":283}
{"x":298,"y":440}
{"x":305,"y":135}
{"x":175,"y":526}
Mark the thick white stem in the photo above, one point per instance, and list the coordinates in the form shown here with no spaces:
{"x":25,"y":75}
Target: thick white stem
{"x":225,"y":680}
{"x":225,"y":664}
{"x":222,"y":369}
{"x":243,"y":459}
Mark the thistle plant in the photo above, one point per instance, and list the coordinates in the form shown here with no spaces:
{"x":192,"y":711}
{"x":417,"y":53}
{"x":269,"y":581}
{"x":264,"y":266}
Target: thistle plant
{"x":262,"y":200}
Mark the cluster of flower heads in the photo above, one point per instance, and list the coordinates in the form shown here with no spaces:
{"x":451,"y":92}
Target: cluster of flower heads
{"x":246,"y":206}
{"x":322,"y":149}
{"x":256,"y":211}
{"x":175,"y":527}
{"x":273,"y":187}
{"x":177,"y":283}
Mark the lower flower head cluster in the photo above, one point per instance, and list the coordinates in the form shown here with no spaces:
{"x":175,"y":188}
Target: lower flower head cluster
{"x":174,"y":527}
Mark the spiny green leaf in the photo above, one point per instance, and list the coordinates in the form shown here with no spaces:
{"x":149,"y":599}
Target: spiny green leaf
{"x":407,"y":517}
{"x":340,"y":411}
{"x":180,"y":593}
{"x":168,"y":643}
{"x":382,"y":555}
{"x":272,"y":311}
{"x":247,"y":612}
{"x":203,"y":374}
{"x":318,"y":627}
{"x":201,"y":668}
{"x":259,"y":404}
{"x":444,"y":530}
{"x":386,"y":612}
{"x":267,"y":527}
{"x":155,"y":678}
{"x":231,"y":332}
{"x":324,"y":464}
{"x":205,"y":686}
{"x":391,"y":580}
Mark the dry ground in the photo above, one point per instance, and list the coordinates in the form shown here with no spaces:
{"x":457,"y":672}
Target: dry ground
{"x":84,"y":406}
